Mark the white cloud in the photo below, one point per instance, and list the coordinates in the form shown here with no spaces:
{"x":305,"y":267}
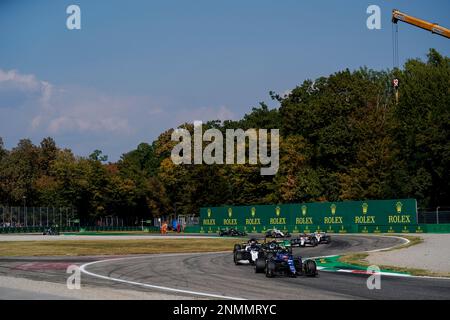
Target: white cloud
{"x":58,"y":110}
{"x":88,"y":119}
{"x":78,"y":110}
{"x":17,"y":88}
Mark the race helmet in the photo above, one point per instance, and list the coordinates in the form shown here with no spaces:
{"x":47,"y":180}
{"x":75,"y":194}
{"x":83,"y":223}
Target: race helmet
{"x":252,"y":242}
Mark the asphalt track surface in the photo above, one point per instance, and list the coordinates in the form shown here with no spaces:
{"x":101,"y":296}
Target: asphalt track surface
{"x":216,"y":275}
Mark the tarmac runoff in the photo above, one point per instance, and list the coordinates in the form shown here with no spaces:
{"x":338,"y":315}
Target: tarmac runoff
{"x":433,"y":254}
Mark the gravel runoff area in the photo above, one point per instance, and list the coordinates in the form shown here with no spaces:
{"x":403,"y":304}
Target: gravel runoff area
{"x":38,"y":237}
{"x":12,"y":288}
{"x":432,"y":254}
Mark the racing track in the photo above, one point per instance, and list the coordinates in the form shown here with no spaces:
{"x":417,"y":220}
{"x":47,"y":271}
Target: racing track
{"x":215,"y":274}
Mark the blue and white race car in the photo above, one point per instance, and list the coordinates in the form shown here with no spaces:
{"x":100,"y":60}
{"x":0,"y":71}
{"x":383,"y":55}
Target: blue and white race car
{"x":279,"y":260}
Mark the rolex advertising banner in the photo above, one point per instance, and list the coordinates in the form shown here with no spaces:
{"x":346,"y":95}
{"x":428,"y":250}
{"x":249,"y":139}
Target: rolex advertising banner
{"x":347,"y":216}
{"x":248,"y":218}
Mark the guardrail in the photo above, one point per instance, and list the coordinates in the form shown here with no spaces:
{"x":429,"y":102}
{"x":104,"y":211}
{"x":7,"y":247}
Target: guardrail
{"x":40,"y":229}
{"x":436,"y":216}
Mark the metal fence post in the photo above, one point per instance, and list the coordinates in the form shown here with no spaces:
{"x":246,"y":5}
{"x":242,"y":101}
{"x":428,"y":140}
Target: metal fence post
{"x":437,"y":215}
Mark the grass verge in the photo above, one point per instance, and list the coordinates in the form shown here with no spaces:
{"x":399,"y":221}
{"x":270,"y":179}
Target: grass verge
{"x":113,"y":247}
{"x":110,"y":233}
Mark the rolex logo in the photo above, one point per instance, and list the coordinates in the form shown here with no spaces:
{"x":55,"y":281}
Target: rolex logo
{"x":230,"y":212}
{"x":253,"y":211}
{"x":398,"y":207}
{"x":277,"y":211}
{"x":304,"y":208}
{"x":365,"y":207}
{"x":333,"y":209}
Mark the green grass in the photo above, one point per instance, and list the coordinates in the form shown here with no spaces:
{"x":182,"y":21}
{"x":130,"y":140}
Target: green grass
{"x":113,"y":247}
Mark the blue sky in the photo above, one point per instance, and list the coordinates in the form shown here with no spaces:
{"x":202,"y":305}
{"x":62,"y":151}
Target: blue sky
{"x":137,"y":68}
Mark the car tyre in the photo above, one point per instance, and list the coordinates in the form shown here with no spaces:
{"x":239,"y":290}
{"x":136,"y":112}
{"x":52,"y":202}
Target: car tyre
{"x":237,"y":257}
{"x":310,"y":268}
{"x":270,"y":269}
{"x":260,"y":265}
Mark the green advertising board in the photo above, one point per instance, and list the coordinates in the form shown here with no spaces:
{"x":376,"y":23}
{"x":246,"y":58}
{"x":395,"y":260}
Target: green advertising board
{"x":333,"y":217}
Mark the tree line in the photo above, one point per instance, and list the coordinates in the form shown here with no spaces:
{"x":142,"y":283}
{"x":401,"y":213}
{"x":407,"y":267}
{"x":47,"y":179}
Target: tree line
{"x":343,"y":137}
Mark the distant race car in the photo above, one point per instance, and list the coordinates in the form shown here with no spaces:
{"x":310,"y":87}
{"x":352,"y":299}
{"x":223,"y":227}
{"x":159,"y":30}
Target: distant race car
{"x":50,"y":231}
{"x":279,"y":260}
{"x":275,"y":233}
{"x":312,"y":239}
{"x":322,"y":237}
{"x":231,"y":233}
{"x":247,"y":252}
{"x":303,"y":240}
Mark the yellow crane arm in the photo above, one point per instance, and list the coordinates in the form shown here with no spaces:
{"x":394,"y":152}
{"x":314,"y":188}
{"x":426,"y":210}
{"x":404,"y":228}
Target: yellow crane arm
{"x":433,"y":27}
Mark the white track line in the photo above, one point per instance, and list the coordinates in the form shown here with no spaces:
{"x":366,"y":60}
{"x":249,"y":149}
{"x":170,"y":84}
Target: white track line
{"x":386,"y":249}
{"x":376,"y":250}
{"x":197,"y":293}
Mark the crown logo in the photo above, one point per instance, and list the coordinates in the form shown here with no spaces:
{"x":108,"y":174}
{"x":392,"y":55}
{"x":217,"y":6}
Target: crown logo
{"x":277,"y":211}
{"x":365,"y":207}
{"x":398,"y":207}
{"x":230,"y":212}
{"x":253,"y":211}
{"x":333,"y":209}
{"x":304,"y":209}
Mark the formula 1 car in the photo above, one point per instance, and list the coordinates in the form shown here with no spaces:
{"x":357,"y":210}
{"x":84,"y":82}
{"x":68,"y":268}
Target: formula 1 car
{"x":304,"y":239}
{"x":51,"y":231}
{"x":231,"y":233}
{"x":312,"y":239}
{"x":322,"y":237}
{"x":275,"y":233}
{"x":281,"y":261}
{"x":247,"y":252}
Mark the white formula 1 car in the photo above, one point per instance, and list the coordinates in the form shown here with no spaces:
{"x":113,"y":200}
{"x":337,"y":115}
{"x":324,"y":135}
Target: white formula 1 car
{"x":247,"y":252}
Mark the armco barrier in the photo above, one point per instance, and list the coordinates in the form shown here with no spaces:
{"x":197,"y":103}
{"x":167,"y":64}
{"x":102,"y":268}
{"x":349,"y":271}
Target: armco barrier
{"x":392,"y":229}
{"x":437,"y":228}
{"x":192,"y":229}
{"x":76,"y":229}
{"x":290,"y":229}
